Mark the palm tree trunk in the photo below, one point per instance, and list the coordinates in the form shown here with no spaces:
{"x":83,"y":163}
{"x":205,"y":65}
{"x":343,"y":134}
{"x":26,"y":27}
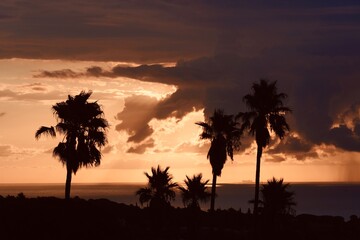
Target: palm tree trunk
{"x":257,"y":180}
{"x":213,"y":193}
{"x":68,"y":183}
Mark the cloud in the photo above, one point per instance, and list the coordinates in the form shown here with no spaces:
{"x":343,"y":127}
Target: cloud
{"x":317,"y":97}
{"x":135,"y":117}
{"x":2,"y":114}
{"x":141,"y":148}
{"x":161,"y":31}
{"x":345,"y":138}
{"x":64,"y":73}
{"x":275,"y":158}
{"x":311,"y":48}
{"x":188,"y":147}
{"x":294,"y":146}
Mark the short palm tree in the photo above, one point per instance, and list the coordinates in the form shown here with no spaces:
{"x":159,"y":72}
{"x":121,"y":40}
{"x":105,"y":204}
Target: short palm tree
{"x":224,"y":135}
{"x":160,"y":189}
{"x":195,"y":191}
{"x":84,"y":129}
{"x":276,"y":198}
{"x":267,"y":112}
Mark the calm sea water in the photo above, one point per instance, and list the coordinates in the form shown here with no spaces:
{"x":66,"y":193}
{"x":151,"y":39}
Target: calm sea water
{"x":335,"y":199}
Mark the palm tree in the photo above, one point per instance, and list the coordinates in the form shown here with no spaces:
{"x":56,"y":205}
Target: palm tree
{"x":267,"y":112}
{"x":160,"y":189}
{"x":84,"y":129}
{"x":276,"y":198}
{"x":224,"y":135}
{"x":194,"y":192}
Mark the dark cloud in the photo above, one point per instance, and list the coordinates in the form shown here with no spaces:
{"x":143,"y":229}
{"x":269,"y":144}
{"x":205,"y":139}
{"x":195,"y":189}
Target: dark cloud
{"x":275,"y":158}
{"x":141,"y":148}
{"x":36,"y":86}
{"x":296,"y":147}
{"x":310,"y":47}
{"x":317,"y":97}
{"x":345,"y":138}
{"x":135,"y":117}
{"x":158,"y":31}
{"x":65,"y":73}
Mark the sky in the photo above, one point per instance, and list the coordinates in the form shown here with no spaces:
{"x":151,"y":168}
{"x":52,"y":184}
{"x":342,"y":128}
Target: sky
{"x":157,"y":67}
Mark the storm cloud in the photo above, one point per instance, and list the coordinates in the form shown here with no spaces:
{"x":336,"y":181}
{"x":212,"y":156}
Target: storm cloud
{"x":220,"y":48}
{"x":222,"y":81}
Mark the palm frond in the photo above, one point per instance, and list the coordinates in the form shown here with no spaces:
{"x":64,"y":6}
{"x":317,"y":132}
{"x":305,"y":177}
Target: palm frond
{"x":49,"y":131}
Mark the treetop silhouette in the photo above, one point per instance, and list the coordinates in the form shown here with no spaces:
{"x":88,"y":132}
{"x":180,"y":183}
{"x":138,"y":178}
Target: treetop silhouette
{"x":223,"y":132}
{"x":194,"y":192}
{"x":267,"y":112}
{"x":84,"y":130}
{"x":160,"y":189}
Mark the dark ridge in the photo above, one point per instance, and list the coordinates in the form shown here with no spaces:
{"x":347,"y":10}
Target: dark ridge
{"x":54,"y":218}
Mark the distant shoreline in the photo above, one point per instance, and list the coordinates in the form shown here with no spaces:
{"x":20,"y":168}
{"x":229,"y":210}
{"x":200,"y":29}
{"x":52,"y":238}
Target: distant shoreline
{"x":335,"y":198}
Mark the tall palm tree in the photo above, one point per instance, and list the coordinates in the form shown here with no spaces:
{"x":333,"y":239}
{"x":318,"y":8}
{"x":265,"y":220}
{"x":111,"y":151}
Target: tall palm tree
{"x":84,"y":129}
{"x":267,"y":112}
{"x":194,"y":192}
{"x":160,"y":189}
{"x":224,"y":135}
{"x":276,"y":198}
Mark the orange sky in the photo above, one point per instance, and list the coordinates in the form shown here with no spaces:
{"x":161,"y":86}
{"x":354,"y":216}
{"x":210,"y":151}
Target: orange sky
{"x":26,"y":102}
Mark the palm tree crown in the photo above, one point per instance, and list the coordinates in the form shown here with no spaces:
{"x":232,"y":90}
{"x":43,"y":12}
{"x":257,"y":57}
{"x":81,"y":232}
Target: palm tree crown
{"x":222,"y":131}
{"x":266,"y":110}
{"x":195,"y":191}
{"x":84,"y":129}
{"x":160,"y":189}
{"x":276,"y":198}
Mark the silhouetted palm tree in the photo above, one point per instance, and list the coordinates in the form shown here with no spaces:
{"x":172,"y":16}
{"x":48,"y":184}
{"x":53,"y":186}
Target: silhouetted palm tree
{"x":84,"y":129}
{"x":267,"y":111}
{"x":224,"y":135}
{"x":276,"y":198}
{"x":195,"y":191}
{"x":160,"y":189}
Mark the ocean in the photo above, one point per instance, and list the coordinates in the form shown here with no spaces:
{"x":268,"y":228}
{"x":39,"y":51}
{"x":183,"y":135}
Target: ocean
{"x":336,"y":199}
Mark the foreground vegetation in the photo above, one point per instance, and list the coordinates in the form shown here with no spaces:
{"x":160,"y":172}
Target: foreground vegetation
{"x":54,"y":218}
